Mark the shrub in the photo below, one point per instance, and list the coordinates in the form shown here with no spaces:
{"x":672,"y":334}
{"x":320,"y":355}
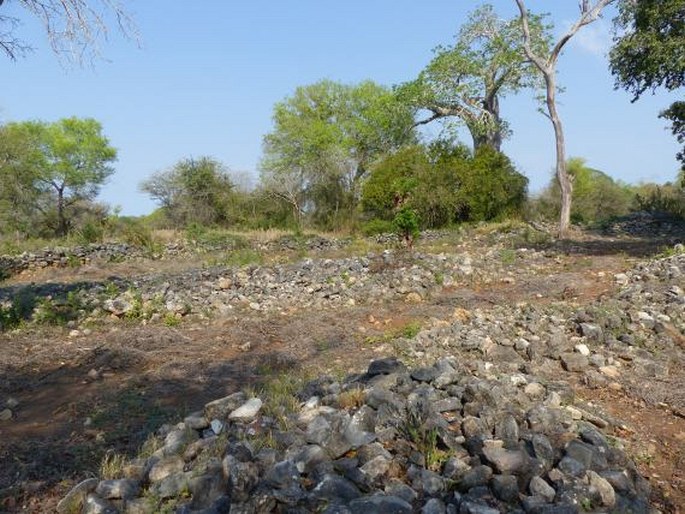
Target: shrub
{"x":377,"y":226}
{"x":596,"y":196}
{"x":444,"y":184}
{"x":668,"y":198}
{"x":406,"y":224}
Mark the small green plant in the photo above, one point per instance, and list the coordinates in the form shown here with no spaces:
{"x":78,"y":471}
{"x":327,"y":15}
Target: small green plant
{"x":507,"y":256}
{"x":58,"y":311}
{"x":672,"y":251}
{"x":406,"y":223}
{"x":73,"y":261}
{"x":279,"y":396}
{"x":111,"y":290}
{"x":136,"y":311}
{"x":171,"y":320}
{"x":243,"y":257}
{"x":411,"y":330}
{"x":424,"y":437}
{"x":439,"y":277}
{"x":377,"y":226}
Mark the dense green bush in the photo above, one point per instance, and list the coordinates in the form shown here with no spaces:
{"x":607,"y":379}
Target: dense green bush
{"x":406,"y":223}
{"x":445,"y":184}
{"x":377,"y":226}
{"x":596,"y":196}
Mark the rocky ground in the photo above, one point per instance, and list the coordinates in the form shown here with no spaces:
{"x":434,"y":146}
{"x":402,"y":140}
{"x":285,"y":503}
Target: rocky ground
{"x":489,"y":370}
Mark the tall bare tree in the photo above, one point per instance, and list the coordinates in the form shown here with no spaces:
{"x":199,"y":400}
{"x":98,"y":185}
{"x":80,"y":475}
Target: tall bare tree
{"x":547,"y":64}
{"x":74,"y":28}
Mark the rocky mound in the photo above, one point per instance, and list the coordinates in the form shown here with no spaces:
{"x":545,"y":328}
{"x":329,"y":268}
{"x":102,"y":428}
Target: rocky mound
{"x":435,"y":439}
{"x":648,"y":225}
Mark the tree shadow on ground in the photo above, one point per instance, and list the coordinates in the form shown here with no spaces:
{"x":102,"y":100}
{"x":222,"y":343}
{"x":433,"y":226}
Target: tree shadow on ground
{"x":631,"y":247}
{"x":68,"y":420}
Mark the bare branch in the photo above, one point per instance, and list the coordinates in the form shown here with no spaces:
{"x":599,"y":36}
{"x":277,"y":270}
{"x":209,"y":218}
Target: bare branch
{"x":75,"y":28}
{"x":588,"y":14}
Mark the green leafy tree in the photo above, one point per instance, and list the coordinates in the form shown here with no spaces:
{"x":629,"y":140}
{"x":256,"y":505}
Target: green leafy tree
{"x":77,"y":162}
{"x":20,"y":196}
{"x":490,"y":188}
{"x":649,"y":52}
{"x":392,"y":181}
{"x":325,"y":137}
{"x":193,"y":191}
{"x":466,"y":81}
{"x":66,"y":163}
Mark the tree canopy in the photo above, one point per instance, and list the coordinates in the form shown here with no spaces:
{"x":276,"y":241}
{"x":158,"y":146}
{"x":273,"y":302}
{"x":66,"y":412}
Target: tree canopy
{"x":465,"y":81}
{"x":54,"y":166}
{"x":192,"y":191}
{"x":325,"y":137}
{"x":649,"y":53}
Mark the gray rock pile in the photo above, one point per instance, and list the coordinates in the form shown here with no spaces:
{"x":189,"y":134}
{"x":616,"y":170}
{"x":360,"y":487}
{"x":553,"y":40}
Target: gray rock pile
{"x":436,"y":439}
{"x":61,"y":257}
{"x":648,"y":225}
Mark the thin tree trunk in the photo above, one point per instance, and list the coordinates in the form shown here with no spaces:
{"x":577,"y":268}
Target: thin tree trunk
{"x":565,"y":183}
{"x":61,"y":219}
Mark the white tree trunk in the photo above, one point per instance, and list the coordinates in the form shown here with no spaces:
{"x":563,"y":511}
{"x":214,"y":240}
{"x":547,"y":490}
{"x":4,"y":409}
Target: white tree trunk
{"x":565,"y":183}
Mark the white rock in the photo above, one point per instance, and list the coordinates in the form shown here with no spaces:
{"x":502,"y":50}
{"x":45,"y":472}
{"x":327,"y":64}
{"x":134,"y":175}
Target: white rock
{"x":582,"y":349}
{"x":246,"y":411}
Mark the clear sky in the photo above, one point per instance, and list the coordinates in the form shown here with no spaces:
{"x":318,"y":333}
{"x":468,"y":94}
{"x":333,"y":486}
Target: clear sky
{"x":208,"y":73}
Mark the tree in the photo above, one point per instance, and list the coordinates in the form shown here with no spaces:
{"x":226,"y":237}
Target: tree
{"x":76,"y":162}
{"x":325,"y":137}
{"x":20,"y":195}
{"x":192,"y":191}
{"x":467,"y":80}
{"x":54,"y":167}
{"x":74,"y":27}
{"x":649,"y":52}
{"x":547,"y":64}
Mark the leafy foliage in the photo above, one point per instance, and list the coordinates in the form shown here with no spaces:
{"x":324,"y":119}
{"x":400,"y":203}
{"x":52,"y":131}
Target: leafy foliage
{"x":649,"y":53}
{"x":466,"y":80}
{"x":667,"y":198}
{"x":193,"y":191}
{"x":406,"y":225}
{"x":445,"y":184}
{"x":596,"y":196}
{"x":325,"y":138}
{"x":54,"y":169}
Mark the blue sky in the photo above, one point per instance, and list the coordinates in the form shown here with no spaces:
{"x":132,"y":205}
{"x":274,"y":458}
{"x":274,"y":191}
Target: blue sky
{"x":207,"y":74}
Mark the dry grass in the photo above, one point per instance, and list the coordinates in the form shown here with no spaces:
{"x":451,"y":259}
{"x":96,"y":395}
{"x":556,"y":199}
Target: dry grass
{"x":112,"y":466}
{"x":352,"y":398}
